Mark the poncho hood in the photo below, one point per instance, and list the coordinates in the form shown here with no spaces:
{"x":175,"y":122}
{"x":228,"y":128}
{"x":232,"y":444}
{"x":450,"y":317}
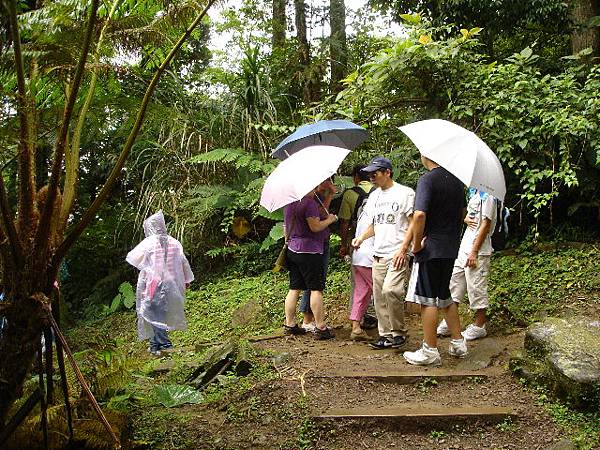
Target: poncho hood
{"x":155,"y":224}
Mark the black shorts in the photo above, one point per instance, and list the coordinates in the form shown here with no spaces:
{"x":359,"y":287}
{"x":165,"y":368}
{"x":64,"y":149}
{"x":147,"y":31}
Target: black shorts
{"x":433,"y":282}
{"x":306,"y":271}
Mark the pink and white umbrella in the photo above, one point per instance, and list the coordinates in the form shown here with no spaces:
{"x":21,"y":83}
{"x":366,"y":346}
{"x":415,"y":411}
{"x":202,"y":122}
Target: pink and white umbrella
{"x":297,"y":175}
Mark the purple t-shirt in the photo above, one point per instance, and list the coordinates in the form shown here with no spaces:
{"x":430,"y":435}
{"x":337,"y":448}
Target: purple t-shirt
{"x":302,"y":239}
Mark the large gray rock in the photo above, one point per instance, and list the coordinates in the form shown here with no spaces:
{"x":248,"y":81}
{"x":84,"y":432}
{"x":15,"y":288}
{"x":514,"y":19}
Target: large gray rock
{"x":564,"y":354}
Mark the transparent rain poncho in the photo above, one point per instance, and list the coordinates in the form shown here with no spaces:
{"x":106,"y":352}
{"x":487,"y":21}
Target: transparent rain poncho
{"x":164,"y":272}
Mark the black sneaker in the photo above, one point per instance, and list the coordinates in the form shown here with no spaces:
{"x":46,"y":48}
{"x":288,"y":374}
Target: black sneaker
{"x":293,"y":331}
{"x":322,"y":335}
{"x":399,"y":341}
{"x":369,"y":322}
{"x":381,"y":344}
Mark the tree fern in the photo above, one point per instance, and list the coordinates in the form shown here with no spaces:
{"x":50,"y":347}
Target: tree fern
{"x":237,"y":158}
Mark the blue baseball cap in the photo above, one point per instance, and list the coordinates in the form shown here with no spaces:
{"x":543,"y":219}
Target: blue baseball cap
{"x":378,"y":163}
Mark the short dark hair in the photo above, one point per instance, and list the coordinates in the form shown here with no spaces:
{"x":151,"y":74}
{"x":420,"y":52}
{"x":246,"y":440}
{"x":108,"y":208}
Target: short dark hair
{"x":357,"y":171}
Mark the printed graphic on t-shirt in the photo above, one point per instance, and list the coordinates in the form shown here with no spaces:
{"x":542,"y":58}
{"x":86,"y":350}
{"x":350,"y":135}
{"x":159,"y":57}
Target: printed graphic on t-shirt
{"x":388,"y":213}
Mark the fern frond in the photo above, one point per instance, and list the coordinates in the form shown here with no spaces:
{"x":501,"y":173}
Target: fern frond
{"x":218,"y":155}
{"x":93,"y":433}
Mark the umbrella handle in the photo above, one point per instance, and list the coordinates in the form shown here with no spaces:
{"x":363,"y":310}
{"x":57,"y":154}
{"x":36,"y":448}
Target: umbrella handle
{"x":319,"y":200}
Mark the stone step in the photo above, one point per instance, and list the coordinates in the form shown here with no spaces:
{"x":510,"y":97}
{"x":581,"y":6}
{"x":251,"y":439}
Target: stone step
{"x":417,"y":412}
{"x":404,"y":377}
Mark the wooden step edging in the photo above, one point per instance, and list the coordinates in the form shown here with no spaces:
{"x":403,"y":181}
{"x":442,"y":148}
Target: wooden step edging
{"x":487,"y":412}
{"x":404,"y":377}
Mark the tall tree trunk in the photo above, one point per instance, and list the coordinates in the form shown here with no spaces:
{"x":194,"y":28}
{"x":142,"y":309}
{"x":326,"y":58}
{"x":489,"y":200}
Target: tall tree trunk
{"x":278,"y":24}
{"x":309,"y":78}
{"x":584,"y":36}
{"x":338,"y":47}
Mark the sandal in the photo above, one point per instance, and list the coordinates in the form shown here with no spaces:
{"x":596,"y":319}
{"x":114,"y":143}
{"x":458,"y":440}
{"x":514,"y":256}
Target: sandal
{"x":322,"y":335}
{"x":360,"y":337}
{"x":293,"y":331}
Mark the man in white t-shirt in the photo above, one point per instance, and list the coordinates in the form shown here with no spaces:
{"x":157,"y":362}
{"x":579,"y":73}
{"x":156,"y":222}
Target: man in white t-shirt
{"x":390,"y":209}
{"x":472,"y":266}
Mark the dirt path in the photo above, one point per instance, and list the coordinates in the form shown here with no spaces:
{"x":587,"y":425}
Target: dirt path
{"x":321,"y":377}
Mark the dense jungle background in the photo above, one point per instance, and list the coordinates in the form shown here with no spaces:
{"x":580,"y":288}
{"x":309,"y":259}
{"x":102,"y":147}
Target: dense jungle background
{"x":92,"y":142}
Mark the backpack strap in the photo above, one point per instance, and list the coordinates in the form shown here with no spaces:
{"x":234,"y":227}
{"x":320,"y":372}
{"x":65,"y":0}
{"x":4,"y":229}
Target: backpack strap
{"x":359,"y":201}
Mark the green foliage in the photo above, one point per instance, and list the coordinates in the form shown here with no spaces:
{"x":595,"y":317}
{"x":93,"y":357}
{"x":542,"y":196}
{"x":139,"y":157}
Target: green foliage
{"x":125,"y":297}
{"x":236,"y":158}
{"x":275,"y":235}
{"x":508,"y":25}
{"x":541,"y":126}
{"x":306,"y":434}
{"x":171,"y":395}
{"x":506,"y":426}
{"x":103,"y":247}
{"x":528,"y":285}
{"x":210,"y":308}
{"x":107,"y":368}
{"x":581,"y":427}
{"x":437,"y":434}
{"x":239,"y":197}
{"x":427,"y":383}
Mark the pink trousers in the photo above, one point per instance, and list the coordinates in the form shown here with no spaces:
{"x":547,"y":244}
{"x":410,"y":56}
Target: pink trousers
{"x":363,"y":289}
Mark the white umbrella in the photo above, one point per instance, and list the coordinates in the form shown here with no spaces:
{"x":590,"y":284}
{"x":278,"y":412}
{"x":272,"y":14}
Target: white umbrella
{"x":460,"y":152}
{"x":297,"y":175}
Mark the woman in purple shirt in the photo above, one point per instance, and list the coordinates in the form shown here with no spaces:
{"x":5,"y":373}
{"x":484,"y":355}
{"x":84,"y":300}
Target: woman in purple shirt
{"x":307,"y":234}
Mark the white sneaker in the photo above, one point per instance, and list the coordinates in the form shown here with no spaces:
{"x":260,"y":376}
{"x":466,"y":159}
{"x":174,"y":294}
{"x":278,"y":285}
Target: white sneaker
{"x":442,"y":329}
{"x":309,"y":327}
{"x":153,"y":352}
{"x":425,"y":356}
{"x":474,"y":332}
{"x":458,"y":348}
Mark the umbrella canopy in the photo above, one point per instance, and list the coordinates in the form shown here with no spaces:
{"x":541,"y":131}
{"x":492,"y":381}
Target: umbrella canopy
{"x":337,"y":133}
{"x":295,"y":177}
{"x":460,"y":152}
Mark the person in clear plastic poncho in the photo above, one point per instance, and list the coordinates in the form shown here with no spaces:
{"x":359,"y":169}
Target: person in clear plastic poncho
{"x":165,"y":274}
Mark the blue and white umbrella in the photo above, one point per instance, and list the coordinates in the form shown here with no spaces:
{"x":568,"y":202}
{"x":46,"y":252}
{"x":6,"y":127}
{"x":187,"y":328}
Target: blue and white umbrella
{"x":336,"y":133}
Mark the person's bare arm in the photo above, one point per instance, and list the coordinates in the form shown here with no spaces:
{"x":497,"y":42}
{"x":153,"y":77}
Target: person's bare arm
{"x":369,"y":232}
{"x":418,"y":222}
{"x":316,"y":225}
{"x":400,"y":256}
{"x":484,"y":229}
